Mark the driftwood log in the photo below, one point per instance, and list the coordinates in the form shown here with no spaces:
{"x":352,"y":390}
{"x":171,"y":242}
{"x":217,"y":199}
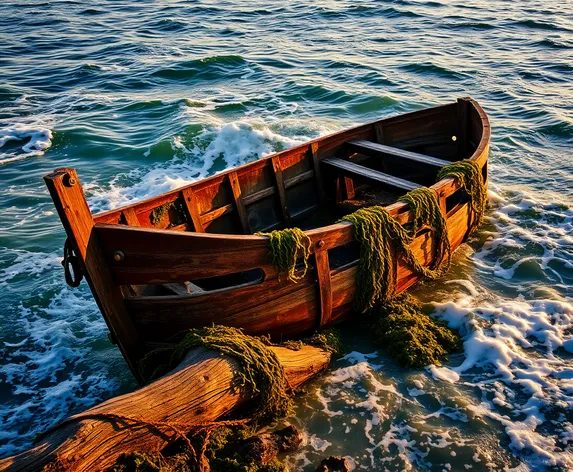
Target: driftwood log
{"x":198,"y":391}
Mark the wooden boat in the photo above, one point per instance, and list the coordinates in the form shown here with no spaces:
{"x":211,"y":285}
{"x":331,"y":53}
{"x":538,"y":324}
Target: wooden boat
{"x":190,"y":258}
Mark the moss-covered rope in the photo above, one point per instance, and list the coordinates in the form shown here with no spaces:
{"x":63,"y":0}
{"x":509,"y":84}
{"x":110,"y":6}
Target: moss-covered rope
{"x":328,"y":340}
{"x":381,"y":239}
{"x":468,"y":174}
{"x":426,"y":210}
{"x":261,"y":372}
{"x":285,"y":247}
{"x":410,"y":336}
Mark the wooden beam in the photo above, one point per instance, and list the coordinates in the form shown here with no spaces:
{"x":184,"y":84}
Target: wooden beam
{"x":70,"y":202}
{"x":379,"y":132}
{"x":216,"y":213}
{"x":278,"y":171}
{"x":379,"y":150}
{"x":324,"y":284}
{"x":313,"y":148}
{"x":361,"y":171}
{"x":297,"y":179}
{"x":462,"y":127}
{"x":239,"y":203}
{"x":256,"y":196}
{"x":130,"y":217}
{"x":191,"y":205}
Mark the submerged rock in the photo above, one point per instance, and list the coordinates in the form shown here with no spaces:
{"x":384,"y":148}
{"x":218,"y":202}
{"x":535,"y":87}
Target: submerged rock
{"x":334,"y":464}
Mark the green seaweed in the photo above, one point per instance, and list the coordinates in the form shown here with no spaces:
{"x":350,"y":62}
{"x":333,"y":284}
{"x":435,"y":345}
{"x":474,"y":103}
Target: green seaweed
{"x":158,"y":213}
{"x":285,"y":247}
{"x":261,"y":372}
{"x":426,"y":211}
{"x":410,"y":336}
{"x":328,"y":340}
{"x":467,"y":173}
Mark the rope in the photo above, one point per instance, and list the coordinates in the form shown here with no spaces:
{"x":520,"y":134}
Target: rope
{"x":426,"y":210}
{"x":285,"y":246}
{"x":467,"y":174}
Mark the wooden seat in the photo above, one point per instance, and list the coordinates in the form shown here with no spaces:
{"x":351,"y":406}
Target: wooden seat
{"x":355,"y":170}
{"x":372,"y":149}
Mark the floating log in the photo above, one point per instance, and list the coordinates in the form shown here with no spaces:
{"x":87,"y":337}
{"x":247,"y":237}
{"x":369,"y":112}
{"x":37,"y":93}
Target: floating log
{"x":198,"y":391}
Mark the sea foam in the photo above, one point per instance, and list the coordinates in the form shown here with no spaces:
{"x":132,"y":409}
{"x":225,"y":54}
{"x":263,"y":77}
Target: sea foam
{"x":39,"y":140}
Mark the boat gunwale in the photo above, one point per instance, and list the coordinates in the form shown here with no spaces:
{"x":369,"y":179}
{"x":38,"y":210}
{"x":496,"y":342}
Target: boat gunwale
{"x":443,"y":187}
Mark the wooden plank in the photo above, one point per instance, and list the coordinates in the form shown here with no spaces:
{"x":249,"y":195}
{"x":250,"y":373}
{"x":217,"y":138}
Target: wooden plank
{"x":255,"y":197}
{"x":291,"y":310}
{"x":329,"y":146}
{"x":70,"y":202}
{"x":191,"y":205}
{"x":239,"y":204}
{"x":302,"y":177}
{"x":462,"y":128}
{"x":379,"y":132}
{"x":361,"y":171}
{"x":216,"y":213}
{"x":325,"y":289}
{"x":313,"y":148}
{"x":155,"y":256}
{"x":379,"y":150}
{"x":130,"y":217}
{"x":281,"y":188}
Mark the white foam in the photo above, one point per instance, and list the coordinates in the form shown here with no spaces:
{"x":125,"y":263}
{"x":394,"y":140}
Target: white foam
{"x":39,"y":139}
{"x":233,"y":144}
{"x":29,"y":264}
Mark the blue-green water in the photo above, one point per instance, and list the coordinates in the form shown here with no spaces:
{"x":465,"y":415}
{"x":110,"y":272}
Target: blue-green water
{"x":144,"y":96}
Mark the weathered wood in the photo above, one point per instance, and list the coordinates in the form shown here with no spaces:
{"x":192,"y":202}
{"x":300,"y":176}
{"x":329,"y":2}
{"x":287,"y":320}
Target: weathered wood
{"x":364,"y":172}
{"x":239,"y":204}
{"x":267,"y":305}
{"x":379,"y":150}
{"x":302,"y":177}
{"x":163,"y":256}
{"x":254,"y":197}
{"x":324,"y":285}
{"x":379,"y":132}
{"x":70,"y":202}
{"x":313,"y":149}
{"x":281,"y":188}
{"x":216,"y":213}
{"x":198,"y":391}
{"x":130,"y":217}
{"x":462,"y":127}
{"x":191,"y":205}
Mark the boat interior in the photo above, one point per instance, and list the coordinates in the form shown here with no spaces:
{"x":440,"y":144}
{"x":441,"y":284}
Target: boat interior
{"x":312,"y":185}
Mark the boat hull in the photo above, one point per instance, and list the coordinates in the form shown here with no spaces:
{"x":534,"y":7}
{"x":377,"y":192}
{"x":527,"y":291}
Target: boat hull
{"x":126,"y":251}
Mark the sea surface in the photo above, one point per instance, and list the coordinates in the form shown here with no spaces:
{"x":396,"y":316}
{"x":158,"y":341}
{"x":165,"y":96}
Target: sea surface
{"x":145,"y":96}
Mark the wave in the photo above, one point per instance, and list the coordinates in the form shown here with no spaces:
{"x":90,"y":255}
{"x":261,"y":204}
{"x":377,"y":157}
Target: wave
{"x":553,"y":44}
{"x":535,"y":24}
{"x":39,"y":139}
{"x":196,"y":155}
{"x":213,"y":67}
{"x":472,"y":25}
{"x":433,"y":69}
{"x":560,"y":130}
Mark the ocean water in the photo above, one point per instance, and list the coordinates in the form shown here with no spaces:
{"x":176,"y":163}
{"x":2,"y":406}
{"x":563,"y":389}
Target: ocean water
{"x":145,"y":96}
